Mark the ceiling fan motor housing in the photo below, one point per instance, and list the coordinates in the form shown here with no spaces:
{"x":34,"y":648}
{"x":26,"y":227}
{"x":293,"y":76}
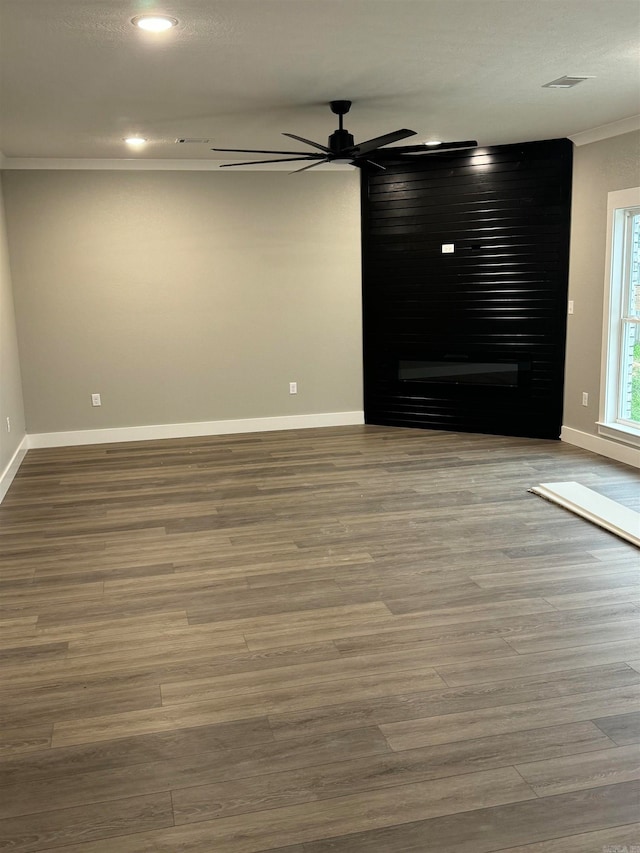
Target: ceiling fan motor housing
{"x":339,"y":140}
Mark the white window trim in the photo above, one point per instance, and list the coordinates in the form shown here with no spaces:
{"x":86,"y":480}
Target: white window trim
{"x":607,"y":424}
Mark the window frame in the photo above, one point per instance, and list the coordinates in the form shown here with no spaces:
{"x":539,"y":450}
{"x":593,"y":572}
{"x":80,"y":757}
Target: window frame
{"x":616,"y":300}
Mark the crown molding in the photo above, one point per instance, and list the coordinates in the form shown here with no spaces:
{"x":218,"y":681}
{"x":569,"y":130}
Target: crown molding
{"x":606,"y":131}
{"x":153,"y":165}
{"x":595,"y":134}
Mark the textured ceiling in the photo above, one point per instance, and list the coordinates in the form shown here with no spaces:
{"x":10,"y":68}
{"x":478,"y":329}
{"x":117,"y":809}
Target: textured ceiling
{"x":76,"y":76}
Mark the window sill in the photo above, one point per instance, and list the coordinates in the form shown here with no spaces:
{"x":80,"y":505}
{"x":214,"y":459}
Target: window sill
{"x":619,"y":432}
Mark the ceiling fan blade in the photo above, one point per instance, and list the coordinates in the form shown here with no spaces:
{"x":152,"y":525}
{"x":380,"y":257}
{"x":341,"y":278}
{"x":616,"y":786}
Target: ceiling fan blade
{"x":260,"y":162}
{"x":379,"y":141}
{"x":261,"y":151}
{"x":308,"y":142}
{"x":310,"y":166}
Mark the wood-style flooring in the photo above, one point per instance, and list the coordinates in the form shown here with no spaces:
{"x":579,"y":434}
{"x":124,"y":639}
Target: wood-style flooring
{"x":344,"y":640}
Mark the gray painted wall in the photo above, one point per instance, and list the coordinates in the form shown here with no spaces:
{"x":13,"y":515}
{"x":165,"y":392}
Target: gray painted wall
{"x":184,"y":296}
{"x":10,"y":385}
{"x":598,"y":169}
{"x":190,"y":296}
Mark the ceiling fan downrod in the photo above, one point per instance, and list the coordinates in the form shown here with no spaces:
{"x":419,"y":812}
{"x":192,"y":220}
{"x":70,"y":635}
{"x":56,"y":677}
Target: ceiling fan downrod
{"x":341,"y":138}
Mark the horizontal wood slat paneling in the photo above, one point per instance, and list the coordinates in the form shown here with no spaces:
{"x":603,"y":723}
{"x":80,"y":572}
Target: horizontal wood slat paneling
{"x":500,"y":296}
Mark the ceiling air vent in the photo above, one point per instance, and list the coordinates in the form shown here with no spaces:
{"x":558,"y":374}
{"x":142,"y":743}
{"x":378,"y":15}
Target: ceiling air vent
{"x":192,"y":141}
{"x":565,"y":82}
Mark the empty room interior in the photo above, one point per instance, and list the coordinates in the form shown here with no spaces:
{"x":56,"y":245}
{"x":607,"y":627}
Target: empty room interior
{"x":319,"y":426}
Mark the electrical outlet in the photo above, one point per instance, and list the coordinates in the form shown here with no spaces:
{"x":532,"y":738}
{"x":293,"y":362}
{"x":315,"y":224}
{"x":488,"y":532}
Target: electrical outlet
{"x":96,"y":400}
{"x":585,"y":398}
{"x":293,"y":387}
{"x":8,"y":424}
{"x":571,"y":306}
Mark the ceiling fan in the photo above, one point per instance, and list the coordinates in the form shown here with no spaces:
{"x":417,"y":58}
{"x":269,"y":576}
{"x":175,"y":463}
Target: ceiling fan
{"x":341,"y":147}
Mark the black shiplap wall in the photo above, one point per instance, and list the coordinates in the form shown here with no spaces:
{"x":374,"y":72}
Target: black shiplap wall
{"x":501,"y":296}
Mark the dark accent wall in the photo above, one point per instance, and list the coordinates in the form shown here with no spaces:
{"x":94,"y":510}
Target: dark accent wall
{"x":497,"y":304}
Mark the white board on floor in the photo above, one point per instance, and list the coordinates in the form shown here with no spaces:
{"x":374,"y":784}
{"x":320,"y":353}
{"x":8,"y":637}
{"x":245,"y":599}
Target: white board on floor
{"x":607,"y":513}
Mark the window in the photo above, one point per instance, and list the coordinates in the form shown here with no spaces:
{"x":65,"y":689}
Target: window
{"x":620,"y":403}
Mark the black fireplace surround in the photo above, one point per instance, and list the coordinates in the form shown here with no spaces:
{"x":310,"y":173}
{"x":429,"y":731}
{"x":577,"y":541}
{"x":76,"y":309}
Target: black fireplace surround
{"x":472,"y":339}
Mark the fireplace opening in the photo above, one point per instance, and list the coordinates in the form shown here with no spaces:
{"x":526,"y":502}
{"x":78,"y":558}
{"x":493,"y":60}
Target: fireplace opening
{"x":463,"y":369}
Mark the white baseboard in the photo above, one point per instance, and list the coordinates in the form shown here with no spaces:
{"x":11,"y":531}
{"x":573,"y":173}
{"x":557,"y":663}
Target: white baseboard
{"x":603,"y":446}
{"x":6,"y":477}
{"x":147,"y":433}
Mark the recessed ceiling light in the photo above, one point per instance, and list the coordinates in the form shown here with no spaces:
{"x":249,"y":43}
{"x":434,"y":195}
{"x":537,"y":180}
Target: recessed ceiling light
{"x":154,"y":23}
{"x":136,"y":140}
{"x":433,"y":142}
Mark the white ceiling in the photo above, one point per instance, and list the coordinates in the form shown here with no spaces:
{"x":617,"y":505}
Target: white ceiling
{"x":76,"y":76}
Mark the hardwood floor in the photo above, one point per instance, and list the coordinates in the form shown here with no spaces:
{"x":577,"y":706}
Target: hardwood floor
{"x":349,"y":639}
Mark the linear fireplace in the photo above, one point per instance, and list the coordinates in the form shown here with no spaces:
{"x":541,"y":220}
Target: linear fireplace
{"x":462,"y":369}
